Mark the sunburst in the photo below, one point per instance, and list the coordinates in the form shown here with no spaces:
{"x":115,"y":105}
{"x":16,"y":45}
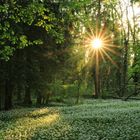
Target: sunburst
{"x":96,"y":43}
{"x":99,"y":46}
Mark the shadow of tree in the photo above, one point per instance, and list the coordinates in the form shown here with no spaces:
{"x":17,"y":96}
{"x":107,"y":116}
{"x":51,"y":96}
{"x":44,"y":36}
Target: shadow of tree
{"x":22,"y":126}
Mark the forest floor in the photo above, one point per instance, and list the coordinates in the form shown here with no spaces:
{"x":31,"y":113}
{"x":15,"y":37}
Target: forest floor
{"x":92,"y":120}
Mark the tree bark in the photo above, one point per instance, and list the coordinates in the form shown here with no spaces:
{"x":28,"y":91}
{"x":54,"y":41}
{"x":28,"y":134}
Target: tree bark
{"x":96,"y":84}
{"x":27,"y":98}
{"x":19,"y":89}
{"x":125,"y":60}
{"x":78,"y":89}
{"x":125,"y":63}
{"x":8,"y":95}
{"x":39,"y":98}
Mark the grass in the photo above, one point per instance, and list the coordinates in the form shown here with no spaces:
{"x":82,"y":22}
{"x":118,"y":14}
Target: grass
{"x":92,"y":120}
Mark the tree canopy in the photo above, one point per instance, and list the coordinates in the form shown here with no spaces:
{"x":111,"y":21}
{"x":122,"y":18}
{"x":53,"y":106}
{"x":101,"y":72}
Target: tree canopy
{"x":46,"y":50}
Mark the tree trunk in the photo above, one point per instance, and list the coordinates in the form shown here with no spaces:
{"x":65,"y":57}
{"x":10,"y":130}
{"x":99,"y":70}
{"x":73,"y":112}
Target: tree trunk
{"x":28,"y":75}
{"x":96,"y":84}
{"x":2,"y":96}
{"x":19,"y":89}
{"x":39,"y":98}
{"x":8,"y":95}
{"x":78,"y":90}
{"x":136,"y":80}
{"x":97,"y":76}
{"x":125,"y":62}
{"x":125,"y":67}
{"x":8,"y":85}
{"x":27,"y":98}
{"x":118,"y":83}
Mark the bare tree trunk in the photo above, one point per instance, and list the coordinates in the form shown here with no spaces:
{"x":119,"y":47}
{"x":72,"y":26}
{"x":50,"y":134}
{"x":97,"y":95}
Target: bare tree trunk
{"x":19,"y":90}
{"x":125,"y":67}
{"x":27,"y":97}
{"x":39,"y":98}
{"x":2,"y":95}
{"x":95,"y":86}
{"x":8,"y":95}
{"x":78,"y":89}
{"x":125,"y":62}
{"x":8,"y":78}
{"x":97,"y":76}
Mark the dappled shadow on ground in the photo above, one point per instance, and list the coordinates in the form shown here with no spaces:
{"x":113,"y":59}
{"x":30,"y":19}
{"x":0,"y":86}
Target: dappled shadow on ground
{"x":93,"y":120}
{"x":22,"y":126}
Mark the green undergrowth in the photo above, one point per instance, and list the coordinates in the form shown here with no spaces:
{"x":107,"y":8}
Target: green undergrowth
{"x":92,"y":120}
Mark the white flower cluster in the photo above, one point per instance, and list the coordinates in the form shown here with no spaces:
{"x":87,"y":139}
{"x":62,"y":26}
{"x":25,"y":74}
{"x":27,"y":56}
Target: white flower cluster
{"x":92,"y":120}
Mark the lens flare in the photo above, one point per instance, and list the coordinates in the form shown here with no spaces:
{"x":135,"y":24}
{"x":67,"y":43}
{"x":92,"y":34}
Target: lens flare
{"x":96,"y":43}
{"x":99,"y":43}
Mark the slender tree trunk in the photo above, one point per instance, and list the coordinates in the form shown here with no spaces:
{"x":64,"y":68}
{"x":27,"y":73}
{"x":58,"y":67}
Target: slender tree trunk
{"x":0,"y":101}
{"x":97,"y":76}
{"x":19,"y":89}
{"x":8,"y":78}
{"x":19,"y":95}
{"x":78,"y":90}
{"x":125,"y":62}
{"x":1,"y":97}
{"x":47,"y":98}
{"x":135,"y":44}
{"x":39,"y":98}
{"x":78,"y":95}
{"x":136,"y":80}
{"x":96,"y":84}
{"x":125,"y":67}
{"x":28,"y":74}
{"x":118,"y":83}
{"x":8,"y":95}
{"x":27,"y":98}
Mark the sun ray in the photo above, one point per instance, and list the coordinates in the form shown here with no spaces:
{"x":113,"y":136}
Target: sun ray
{"x":110,"y":59}
{"x":100,"y":51}
{"x":101,"y":34}
{"x":111,"y":50}
{"x":110,"y":45}
{"x":100,"y":47}
{"x":99,"y":43}
{"x":106,"y":38}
